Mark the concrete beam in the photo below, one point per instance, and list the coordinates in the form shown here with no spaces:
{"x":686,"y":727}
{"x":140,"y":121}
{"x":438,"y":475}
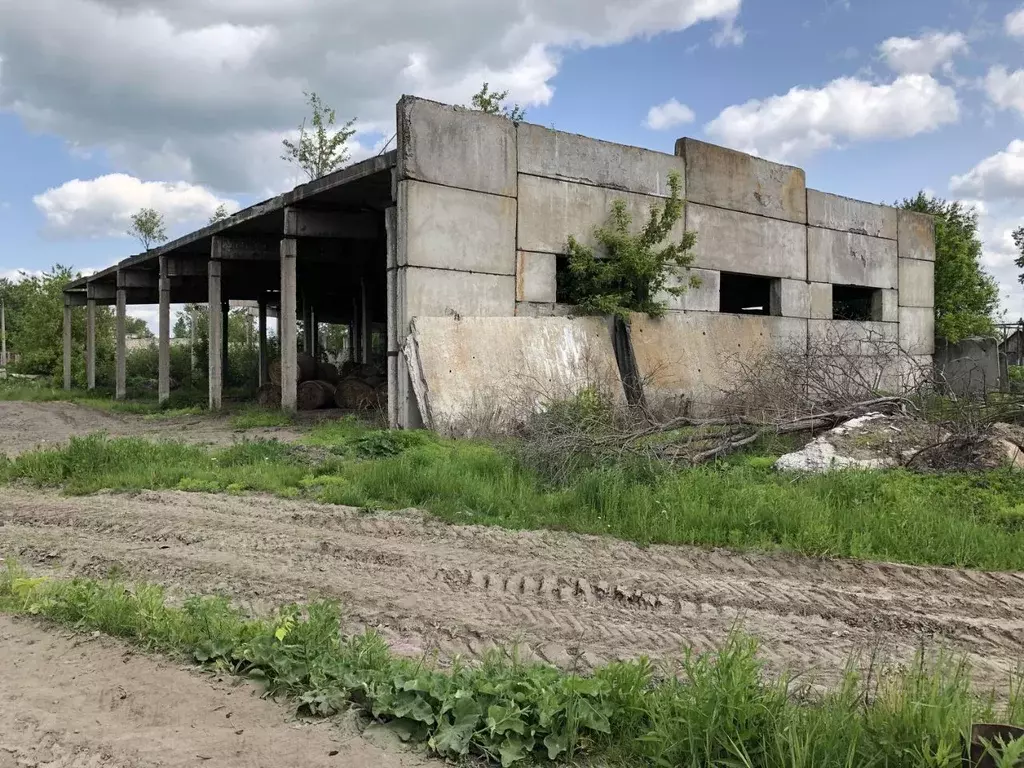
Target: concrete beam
{"x":104,"y":291}
{"x":224,"y":248}
{"x":287,"y":332}
{"x":90,"y":345}
{"x":137,"y":278}
{"x":67,"y":342}
{"x":75,"y":298}
{"x":184,"y":267}
{"x":215,"y":318}
{"x":164,"y":334}
{"x":120,"y":357}
{"x":299,"y":222}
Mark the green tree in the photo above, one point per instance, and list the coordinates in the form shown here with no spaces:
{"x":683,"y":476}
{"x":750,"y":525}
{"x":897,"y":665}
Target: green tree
{"x":633,"y":268}
{"x":220,"y":213}
{"x":492,"y":102}
{"x":148,"y":227}
{"x":321,"y":149}
{"x":136,"y":326}
{"x":966,"y":296}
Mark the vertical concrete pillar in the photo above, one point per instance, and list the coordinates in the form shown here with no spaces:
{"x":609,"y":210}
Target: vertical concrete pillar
{"x":366,"y":335}
{"x":225,"y":332}
{"x":314,"y":324}
{"x":307,"y":325}
{"x":215,"y":315}
{"x":120,"y":330}
{"x":264,"y":363}
{"x":67,"y":342}
{"x":90,"y":344}
{"x":287,"y":332}
{"x":164,"y":333}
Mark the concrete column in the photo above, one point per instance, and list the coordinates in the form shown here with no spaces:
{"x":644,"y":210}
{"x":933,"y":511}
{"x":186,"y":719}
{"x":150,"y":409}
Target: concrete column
{"x":90,"y":344}
{"x":307,"y":326}
{"x":215,"y":318}
{"x":264,"y":373}
{"x":315,"y":325}
{"x":67,"y":342}
{"x":287,"y":332}
{"x":164,"y":372}
{"x":225,"y":333}
{"x":120,"y":358}
{"x":366,"y":335}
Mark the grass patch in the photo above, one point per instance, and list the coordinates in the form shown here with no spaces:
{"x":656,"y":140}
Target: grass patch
{"x":253,"y":417}
{"x":715,"y":709}
{"x":964,"y":520}
{"x":180,"y":402}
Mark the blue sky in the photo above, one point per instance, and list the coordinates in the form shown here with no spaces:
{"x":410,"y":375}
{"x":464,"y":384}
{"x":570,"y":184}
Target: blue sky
{"x":109,"y":105}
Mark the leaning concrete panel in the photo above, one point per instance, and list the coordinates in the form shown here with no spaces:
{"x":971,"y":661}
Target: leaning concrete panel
{"x":852,"y":337}
{"x":449,"y":228}
{"x":456,"y":147}
{"x":440,"y":292}
{"x":477,"y":374}
{"x":848,"y":215}
{"x":699,"y":356}
{"x":916,"y":235}
{"x":917,"y":283}
{"x":729,"y":179}
{"x":917,"y":330}
{"x":570,"y":157}
{"x":741,"y":242}
{"x":705,"y":297}
{"x":535,"y":277}
{"x":843,"y":258}
{"x":550,"y":211}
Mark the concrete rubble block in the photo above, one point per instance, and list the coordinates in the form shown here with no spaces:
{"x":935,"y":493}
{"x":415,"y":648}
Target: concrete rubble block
{"x":544,"y":309}
{"x":456,"y":147}
{"x":444,"y":292}
{"x":885,"y":306}
{"x":700,"y":356}
{"x":843,"y":258}
{"x":740,"y":182}
{"x":448,"y":228}
{"x":702,"y":298}
{"x":570,"y":157}
{"x":535,"y":277}
{"x":477,"y":374}
{"x":847,"y":215}
{"x":917,"y":330}
{"x":968,"y":368}
{"x":821,"y":301}
{"x":791,"y":298}
{"x":917,"y":283}
{"x":550,"y":211}
{"x":854,"y":338}
{"x":916,"y":235}
{"x":730,"y":241}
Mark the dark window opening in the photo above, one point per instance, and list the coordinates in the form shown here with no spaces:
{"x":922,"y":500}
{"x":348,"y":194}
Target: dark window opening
{"x":562,"y":279}
{"x":854,"y":302}
{"x":745,"y":294}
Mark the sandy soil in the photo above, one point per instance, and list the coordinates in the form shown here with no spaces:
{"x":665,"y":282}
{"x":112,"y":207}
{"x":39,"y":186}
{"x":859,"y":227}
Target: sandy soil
{"x":24,"y":426}
{"x":80,"y":702}
{"x":427,"y":585}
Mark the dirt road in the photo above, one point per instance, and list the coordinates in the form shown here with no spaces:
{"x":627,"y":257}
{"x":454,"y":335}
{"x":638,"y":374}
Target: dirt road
{"x":80,"y":702}
{"x":24,"y":426}
{"x":427,"y":585}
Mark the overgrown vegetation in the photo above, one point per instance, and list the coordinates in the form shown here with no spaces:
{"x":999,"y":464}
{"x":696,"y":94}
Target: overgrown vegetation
{"x":973,"y":520}
{"x":494,"y":103}
{"x":148,"y":227}
{"x":320,"y":149}
{"x":631,"y":272}
{"x":712,"y":709}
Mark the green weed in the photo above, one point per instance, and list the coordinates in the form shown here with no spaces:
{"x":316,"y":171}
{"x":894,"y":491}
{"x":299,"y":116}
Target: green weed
{"x":255,"y":417}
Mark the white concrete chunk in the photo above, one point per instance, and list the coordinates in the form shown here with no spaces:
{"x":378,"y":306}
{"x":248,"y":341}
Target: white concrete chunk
{"x":843,"y":258}
{"x":741,"y":242}
{"x":535,"y":277}
{"x":917,"y":283}
{"x":848,"y":215}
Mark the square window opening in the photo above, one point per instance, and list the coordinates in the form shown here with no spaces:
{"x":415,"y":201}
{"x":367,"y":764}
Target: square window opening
{"x":745,"y":294}
{"x":855,"y":302}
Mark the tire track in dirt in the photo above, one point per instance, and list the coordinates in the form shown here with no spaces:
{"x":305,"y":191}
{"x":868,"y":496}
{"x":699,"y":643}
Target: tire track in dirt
{"x":430,"y":586}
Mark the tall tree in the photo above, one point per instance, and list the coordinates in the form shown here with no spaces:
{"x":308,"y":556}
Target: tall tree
{"x":966,"y":296}
{"x":221,"y":212}
{"x":148,"y":227}
{"x":136,"y":326}
{"x":320,"y":149}
{"x":492,"y":102}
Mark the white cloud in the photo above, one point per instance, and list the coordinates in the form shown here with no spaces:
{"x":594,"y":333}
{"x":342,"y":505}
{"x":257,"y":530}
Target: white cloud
{"x":998,"y":177}
{"x":17,"y":275}
{"x":203,"y":90}
{"x":1015,"y":23}
{"x":669,"y":115}
{"x":102,"y":207}
{"x":921,"y":55}
{"x":806,"y":120}
{"x":1006,"y":89}
{"x":998,"y":258}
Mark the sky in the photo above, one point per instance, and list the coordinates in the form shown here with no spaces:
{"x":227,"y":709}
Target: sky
{"x":107,"y":106}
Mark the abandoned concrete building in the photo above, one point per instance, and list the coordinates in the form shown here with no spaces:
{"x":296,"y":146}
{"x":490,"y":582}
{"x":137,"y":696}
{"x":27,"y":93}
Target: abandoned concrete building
{"x":453,"y":243}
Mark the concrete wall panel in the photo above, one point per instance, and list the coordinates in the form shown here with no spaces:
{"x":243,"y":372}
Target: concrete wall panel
{"x":917,"y":330}
{"x":791,"y":298}
{"x":917,"y":283}
{"x":886,"y":307}
{"x":821,"y":301}
{"x":740,"y":242}
{"x":850,"y":337}
{"x":847,"y":215}
{"x":844,"y":258}
{"x":697,"y":355}
{"x":703,"y":298}
{"x":535,"y":277}
{"x":916,"y":236}
{"x":544,"y":309}
{"x":729,"y":179}
{"x":448,"y":228}
{"x":550,"y":211}
{"x":570,"y":157}
{"x":440,"y":292}
{"x":456,"y":147}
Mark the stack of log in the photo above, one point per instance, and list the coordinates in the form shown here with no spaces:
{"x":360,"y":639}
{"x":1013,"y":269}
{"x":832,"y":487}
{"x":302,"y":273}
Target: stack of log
{"x":321,"y":385}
